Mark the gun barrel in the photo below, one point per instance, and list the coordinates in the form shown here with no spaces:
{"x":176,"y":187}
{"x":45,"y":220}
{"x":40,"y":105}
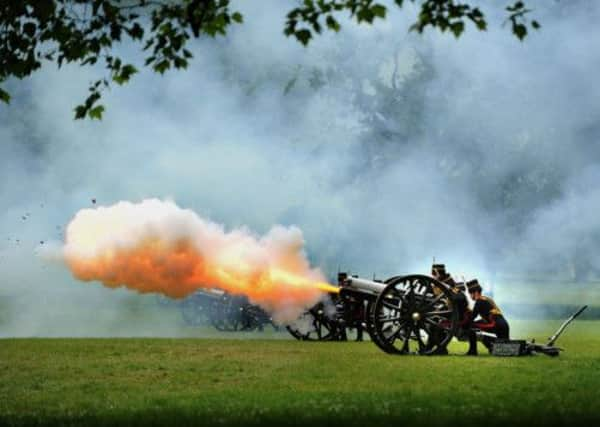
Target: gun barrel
{"x":363,"y":285}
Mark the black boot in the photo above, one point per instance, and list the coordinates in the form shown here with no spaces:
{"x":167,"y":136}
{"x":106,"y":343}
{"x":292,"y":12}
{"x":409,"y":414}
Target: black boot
{"x":472,"y":344}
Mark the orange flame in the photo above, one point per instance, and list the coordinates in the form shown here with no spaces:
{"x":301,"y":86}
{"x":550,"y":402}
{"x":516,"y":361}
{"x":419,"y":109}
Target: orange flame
{"x":155,"y":246}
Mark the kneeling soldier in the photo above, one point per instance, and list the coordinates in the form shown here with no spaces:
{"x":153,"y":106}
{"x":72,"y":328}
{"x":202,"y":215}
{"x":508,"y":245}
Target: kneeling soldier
{"x":491,"y":319}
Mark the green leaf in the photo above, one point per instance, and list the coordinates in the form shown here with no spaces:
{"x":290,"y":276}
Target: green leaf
{"x":457,"y":28}
{"x":162,"y":66}
{"x":180,"y":63}
{"x":124,"y":74}
{"x":536,"y":25}
{"x":303,"y":36}
{"x":237,"y":17}
{"x":365,"y":14}
{"x":4,"y":96}
{"x":80,"y":111}
{"x":379,"y":10}
{"x":520,"y":31}
{"x":136,"y":31}
{"x":90,"y":60}
{"x":96,"y":112}
{"x":332,"y":23}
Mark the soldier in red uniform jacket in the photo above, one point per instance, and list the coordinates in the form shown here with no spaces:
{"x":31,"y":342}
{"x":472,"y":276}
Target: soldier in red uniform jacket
{"x":491,"y":318}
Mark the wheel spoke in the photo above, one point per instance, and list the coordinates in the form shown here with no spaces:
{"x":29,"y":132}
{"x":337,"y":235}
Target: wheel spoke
{"x":395,"y":334}
{"x":317,"y":324}
{"x":390,"y":305}
{"x":406,"y":343}
{"x":432,"y":322}
{"x":422,"y":344}
{"x":433,"y":302}
{"x":384,"y":319}
{"x":442,"y":313}
{"x":411,"y":296}
{"x":403,"y":327}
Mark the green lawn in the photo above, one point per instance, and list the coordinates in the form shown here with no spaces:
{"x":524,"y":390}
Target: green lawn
{"x":154,"y":382}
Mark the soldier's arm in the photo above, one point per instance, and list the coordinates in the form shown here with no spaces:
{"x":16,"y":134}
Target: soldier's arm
{"x":476,"y":309}
{"x":487,"y":320}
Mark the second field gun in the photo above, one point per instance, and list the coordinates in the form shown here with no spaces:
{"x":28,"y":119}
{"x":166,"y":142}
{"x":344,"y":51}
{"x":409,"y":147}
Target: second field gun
{"x":223,"y":311}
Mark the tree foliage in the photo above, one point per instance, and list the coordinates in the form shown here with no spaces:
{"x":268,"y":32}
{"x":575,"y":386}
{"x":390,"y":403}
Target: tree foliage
{"x":87,"y":32}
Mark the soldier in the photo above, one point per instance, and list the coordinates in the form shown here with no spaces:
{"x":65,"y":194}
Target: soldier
{"x":491,"y":319}
{"x":438,"y":271}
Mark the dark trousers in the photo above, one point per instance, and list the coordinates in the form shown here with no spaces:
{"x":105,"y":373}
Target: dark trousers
{"x":501,"y":329}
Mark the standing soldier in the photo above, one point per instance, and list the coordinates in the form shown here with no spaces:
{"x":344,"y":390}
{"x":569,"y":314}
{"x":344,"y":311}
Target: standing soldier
{"x":491,"y":319}
{"x":438,"y":271}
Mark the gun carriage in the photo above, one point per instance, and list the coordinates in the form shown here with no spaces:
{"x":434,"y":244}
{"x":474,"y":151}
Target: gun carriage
{"x":412,"y":314}
{"x":223,"y":311}
{"x":331,"y":320}
{"x":403,"y":314}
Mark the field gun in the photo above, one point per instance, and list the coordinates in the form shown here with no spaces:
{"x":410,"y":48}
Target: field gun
{"x":340,"y":315}
{"x":405,"y":314}
{"x":223,"y":311}
{"x":402,"y":315}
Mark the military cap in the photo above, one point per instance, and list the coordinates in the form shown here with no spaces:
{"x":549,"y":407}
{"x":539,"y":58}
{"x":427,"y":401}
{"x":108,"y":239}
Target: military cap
{"x":440,"y":268}
{"x":473,"y":286}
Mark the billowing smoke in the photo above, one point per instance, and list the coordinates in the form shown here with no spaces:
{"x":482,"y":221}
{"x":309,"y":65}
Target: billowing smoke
{"x":384,"y":147}
{"x":157,"y":247}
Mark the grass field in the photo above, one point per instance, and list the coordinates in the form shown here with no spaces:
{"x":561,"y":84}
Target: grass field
{"x":155,"y":382}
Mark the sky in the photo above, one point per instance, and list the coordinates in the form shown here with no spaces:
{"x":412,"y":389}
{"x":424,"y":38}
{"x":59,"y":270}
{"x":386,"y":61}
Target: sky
{"x":386,"y":148}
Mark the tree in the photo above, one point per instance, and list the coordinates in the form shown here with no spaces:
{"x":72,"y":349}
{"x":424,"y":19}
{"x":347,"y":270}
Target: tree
{"x":86,"y":32}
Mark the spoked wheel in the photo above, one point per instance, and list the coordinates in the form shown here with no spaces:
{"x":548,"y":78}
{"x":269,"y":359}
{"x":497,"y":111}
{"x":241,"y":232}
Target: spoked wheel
{"x":314,"y":325}
{"x":370,"y":323}
{"x":227,"y":315}
{"x":254,"y":318}
{"x":414,"y":313}
{"x":194,"y":311}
